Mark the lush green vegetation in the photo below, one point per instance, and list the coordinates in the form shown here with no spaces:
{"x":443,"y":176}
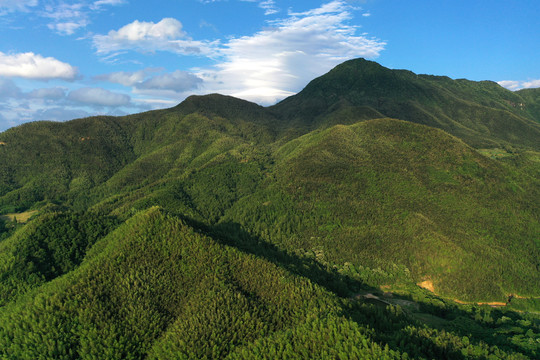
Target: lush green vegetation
{"x":221,"y":229}
{"x":483,"y":114}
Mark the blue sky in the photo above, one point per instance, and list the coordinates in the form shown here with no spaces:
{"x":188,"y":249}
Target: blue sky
{"x":63,"y":59}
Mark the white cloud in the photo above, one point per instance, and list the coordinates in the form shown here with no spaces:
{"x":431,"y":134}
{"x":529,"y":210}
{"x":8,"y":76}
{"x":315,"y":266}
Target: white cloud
{"x":531,"y":84}
{"x":99,"y":3}
{"x":178,"y":81}
{"x":278,"y":62}
{"x":8,"y":89}
{"x":268,"y":5}
{"x":48,"y":93}
{"x":67,"y":28}
{"x":517,"y":85}
{"x":7,"y":6}
{"x":69,"y":17}
{"x":175,"y":82}
{"x":34,"y":66}
{"x":157,"y":103}
{"x":167,"y":28}
{"x":64,"y":11}
{"x":59,"y":114}
{"x":166,"y":35}
{"x":510,"y":84}
{"x":125,"y":78}
{"x":98,"y":97}
{"x":265,"y":67}
{"x":335,"y":6}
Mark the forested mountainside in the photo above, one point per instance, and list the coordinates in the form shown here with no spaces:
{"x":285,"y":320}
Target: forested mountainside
{"x":376,"y":214}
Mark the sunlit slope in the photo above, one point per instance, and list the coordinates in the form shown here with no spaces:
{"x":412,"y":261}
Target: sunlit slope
{"x":483,"y":114}
{"x":387,"y":192}
{"x":80,"y":162}
{"x":157,"y":288}
{"x":531,"y":103}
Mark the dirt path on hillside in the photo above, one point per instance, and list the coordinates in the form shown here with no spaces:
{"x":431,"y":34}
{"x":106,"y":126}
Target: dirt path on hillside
{"x":428,"y":285}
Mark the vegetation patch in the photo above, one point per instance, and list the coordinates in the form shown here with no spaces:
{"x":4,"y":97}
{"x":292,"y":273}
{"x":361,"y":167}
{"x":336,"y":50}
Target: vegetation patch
{"x":22,"y":217}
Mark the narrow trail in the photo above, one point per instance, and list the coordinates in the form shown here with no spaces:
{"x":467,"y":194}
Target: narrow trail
{"x":428,"y":285}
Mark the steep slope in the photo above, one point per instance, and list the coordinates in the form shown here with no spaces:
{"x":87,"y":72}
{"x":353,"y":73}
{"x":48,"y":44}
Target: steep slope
{"x":386,"y":192}
{"x":483,"y":114}
{"x":159,"y":288}
{"x":531,"y":103}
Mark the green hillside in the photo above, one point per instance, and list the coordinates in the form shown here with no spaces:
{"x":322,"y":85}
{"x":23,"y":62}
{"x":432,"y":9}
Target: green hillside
{"x":483,"y":114}
{"x":531,"y":103}
{"x":223,"y":229}
{"x":385,"y":192}
{"x":158,"y":288}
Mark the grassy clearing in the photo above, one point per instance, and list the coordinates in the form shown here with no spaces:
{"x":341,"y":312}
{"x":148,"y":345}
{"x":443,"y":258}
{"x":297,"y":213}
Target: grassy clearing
{"x":22,"y":217}
{"x":495,"y":153}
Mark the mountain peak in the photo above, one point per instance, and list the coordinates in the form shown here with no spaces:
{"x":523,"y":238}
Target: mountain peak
{"x":481,"y":113}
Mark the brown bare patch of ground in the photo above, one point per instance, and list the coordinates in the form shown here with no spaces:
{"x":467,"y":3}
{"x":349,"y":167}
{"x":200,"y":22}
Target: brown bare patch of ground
{"x":428,"y":285}
{"x":494,"y":303}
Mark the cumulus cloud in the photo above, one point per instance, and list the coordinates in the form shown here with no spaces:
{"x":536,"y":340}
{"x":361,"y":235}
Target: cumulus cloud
{"x":166,"y":35}
{"x":67,"y":18}
{"x":278,"y":62}
{"x":98,"y":97}
{"x":67,"y":28}
{"x":175,"y":85}
{"x":34,"y":66}
{"x":48,"y":93}
{"x":178,"y":81}
{"x":517,"y":85}
{"x":8,"y":89}
{"x":126,"y":78}
{"x":531,"y":84}
{"x":510,"y":84}
{"x":7,"y":6}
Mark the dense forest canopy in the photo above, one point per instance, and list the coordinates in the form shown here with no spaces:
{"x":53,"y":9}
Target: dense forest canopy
{"x":377,"y":214}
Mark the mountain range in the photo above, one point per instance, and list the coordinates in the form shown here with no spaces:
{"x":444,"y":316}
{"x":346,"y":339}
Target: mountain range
{"x":375,"y":214}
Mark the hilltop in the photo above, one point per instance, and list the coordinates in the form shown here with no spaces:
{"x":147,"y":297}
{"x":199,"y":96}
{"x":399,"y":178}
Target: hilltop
{"x":483,"y":114}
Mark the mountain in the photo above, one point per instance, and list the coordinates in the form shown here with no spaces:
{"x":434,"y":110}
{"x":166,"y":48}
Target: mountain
{"x":222,"y":229}
{"x":483,"y":114}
